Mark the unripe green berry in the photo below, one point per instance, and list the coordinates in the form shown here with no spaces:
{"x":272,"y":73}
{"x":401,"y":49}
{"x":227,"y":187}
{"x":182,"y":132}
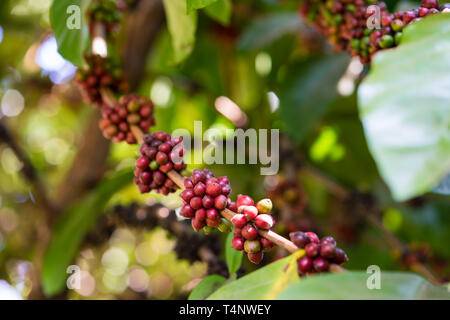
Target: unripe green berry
{"x":154,"y":165}
{"x":252,"y":246}
{"x":264,"y":205}
{"x":386,"y":41}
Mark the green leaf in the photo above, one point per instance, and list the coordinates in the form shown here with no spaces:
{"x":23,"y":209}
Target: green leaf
{"x":220,"y":11}
{"x":353,"y":285}
{"x":72,"y":43}
{"x":182,"y":28}
{"x":405,"y":110}
{"x":263,"y":284}
{"x":308,"y":90}
{"x":206,"y":287}
{"x":197,"y":4}
{"x":233,"y":257}
{"x":72,"y":227}
{"x":266,"y":30}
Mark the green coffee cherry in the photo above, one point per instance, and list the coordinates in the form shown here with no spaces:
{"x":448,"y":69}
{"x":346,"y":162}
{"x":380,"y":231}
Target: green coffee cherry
{"x":386,"y":41}
{"x":398,"y":38}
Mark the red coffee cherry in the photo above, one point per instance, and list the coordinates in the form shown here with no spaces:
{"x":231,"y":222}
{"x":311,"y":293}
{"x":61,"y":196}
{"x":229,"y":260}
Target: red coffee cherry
{"x":117,"y":122}
{"x":204,"y":192}
{"x":149,"y":175}
{"x":100,"y":73}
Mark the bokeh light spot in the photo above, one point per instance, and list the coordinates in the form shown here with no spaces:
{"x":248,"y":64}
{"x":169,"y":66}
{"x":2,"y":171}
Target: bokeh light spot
{"x":12,"y":103}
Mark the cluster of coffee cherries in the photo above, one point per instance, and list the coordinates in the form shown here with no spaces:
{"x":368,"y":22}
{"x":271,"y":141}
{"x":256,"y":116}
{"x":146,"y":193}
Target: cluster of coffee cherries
{"x":204,"y":197}
{"x":160,"y":153}
{"x":106,"y":12}
{"x":131,"y":110}
{"x":247,"y":222}
{"x":100,"y":73}
{"x":345,"y":23}
{"x":319,"y":253}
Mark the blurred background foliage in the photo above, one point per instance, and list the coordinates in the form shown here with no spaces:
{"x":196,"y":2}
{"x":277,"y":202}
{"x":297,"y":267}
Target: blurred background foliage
{"x":266,"y":54}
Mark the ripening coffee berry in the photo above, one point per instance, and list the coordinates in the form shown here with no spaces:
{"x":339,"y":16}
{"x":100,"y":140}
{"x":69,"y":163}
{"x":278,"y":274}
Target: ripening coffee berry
{"x":312,"y":250}
{"x":300,"y":239}
{"x":264,"y":205}
{"x":252,"y":246}
{"x":118,"y":121}
{"x":321,"y":253}
{"x":204,"y":192}
{"x":255,"y":257}
{"x":187,"y":211}
{"x":265,"y":243}
{"x":151,"y":176}
{"x":320,"y":264}
{"x":314,"y":238}
{"x":100,"y":73}
{"x":250,"y":212}
{"x":327,"y":250}
{"x":197,"y":224}
{"x":264,"y":221}
{"x":237,"y":243}
{"x":340,"y":257}
{"x":304,"y":265}
{"x":249,"y":232}
{"x":328,"y":239}
{"x":244,"y":200}
{"x":200,"y":214}
{"x":239,"y":220}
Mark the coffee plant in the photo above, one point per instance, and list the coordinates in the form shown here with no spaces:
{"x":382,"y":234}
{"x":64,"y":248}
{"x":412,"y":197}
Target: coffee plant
{"x":107,"y":176}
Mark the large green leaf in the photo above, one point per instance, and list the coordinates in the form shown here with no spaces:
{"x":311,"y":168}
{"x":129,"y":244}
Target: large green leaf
{"x":233,"y":257}
{"x":353,"y":286}
{"x":308,"y":90}
{"x":263,"y":284}
{"x":71,"y":42}
{"x":192,"y":5}
{"x":405,"y":110}
{"x":72,"y":227}
{"x":182,"y":27}
{"x":206,"y":287}
{"x":266,"y":30}
{"x":220,"y":11}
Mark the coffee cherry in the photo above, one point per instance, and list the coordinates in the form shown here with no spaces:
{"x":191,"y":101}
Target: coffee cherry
{"x":264,"y":221}
{"x":212,"y":214}
{"x":314,"y":238}
{"x":430,"y":4}
{"x":340,"y":256}
{"x":149,"y":175}
{"x":300,"y":239}
{"x":232,"y":206}
{"x":252,"y":246}
{"x":312,"y":250}
{"x":99,"y":75}
{"x":197,"y":224}
{"x":239,"y":220}
{"x":320,"y":264}
{"x":244,"y":200}
{"x":264,"y":205}
{"x":255,"y":258}
{"x":304,"y":265}
{"x":213,"y":189}
{"x":327,"y":251}
{"x":237,"y":243}
{"x":213,"y":223}
{"x":249,"y":232}
{"x":187,"y":211}
{"x":200,"y":189}
{"x":220,"y":202}
{"x":208,"y":202}
{"x":119,"y":117}
{"x":200,"y":214}
{"x":328,"y":239}
{"x":250,"y":212}
{"x":265,"y":243}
